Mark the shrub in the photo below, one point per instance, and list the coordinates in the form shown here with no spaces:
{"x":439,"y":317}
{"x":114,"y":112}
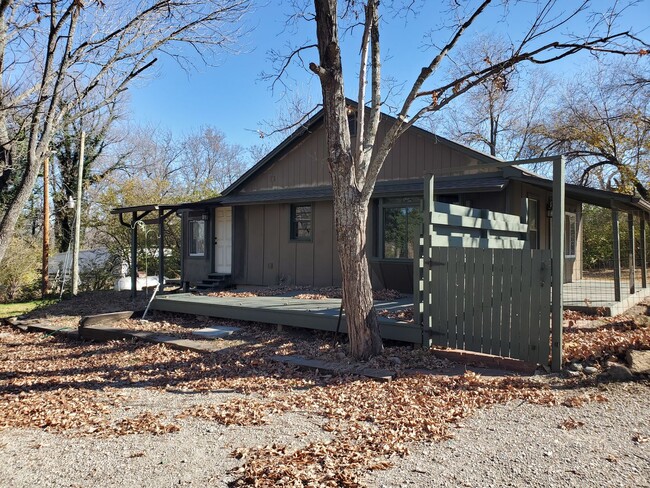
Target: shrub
{"x":20,"y":270}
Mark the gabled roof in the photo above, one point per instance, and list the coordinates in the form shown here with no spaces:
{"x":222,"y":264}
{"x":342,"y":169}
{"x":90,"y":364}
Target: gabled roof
{"x":308,"y":127}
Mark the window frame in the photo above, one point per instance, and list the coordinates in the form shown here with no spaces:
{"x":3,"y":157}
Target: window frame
{"x":413,"y":203}
{"x":570,"y":237}
{"x":192,"y":241}
{"x":293,"y":223}
{"x":535,"y":229}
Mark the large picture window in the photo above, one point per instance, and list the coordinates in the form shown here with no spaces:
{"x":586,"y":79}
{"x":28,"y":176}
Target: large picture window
{"x":301,"y":222}
{"x":197,"y":237}
{"x":401,"y":219}
{"x":570,"y":234}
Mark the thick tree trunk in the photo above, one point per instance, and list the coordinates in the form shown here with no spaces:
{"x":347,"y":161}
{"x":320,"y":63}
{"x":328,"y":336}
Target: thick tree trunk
{"x":351,"y":217}
{"x":350,"y":206}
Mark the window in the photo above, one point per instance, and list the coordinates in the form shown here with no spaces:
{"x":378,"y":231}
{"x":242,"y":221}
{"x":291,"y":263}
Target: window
{"x":570,"y":234}
{"x":301,"y":222}
{"x":352,"y":123}
{"x":401,"y":220}
{"x":197,"y":237}
{"x":533,"y":223}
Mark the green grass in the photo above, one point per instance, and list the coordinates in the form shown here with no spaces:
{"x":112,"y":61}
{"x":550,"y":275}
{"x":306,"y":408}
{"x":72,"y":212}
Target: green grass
{"x":13,"y":309}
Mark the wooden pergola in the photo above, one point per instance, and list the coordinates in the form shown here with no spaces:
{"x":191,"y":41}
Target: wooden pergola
{"x":137,"y":214}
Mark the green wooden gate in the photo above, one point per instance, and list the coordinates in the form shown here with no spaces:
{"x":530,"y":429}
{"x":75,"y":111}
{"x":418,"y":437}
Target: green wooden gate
{"x":478,"y":284}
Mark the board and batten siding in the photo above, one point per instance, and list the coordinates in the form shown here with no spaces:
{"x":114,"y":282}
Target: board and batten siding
{"x":305,"y":165}
{"x":265,"y":254}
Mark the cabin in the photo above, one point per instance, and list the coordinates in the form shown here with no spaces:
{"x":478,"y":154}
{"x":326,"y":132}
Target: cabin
{"x":275,"y":224}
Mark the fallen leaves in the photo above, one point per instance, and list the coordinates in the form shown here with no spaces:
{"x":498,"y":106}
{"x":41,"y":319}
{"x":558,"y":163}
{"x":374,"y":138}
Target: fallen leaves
{"x":145,"y":423}
{"x":570,"y":424}
{"x":303,"y":292}
{"x":371,"y":422}
{"x":612,"y":338}
{"x":235,"y":412}
{"x":576,"y":401}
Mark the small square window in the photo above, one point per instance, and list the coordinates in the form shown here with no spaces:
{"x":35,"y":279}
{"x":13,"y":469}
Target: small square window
{"x":301,"y":224}
{"x":197,"y":237}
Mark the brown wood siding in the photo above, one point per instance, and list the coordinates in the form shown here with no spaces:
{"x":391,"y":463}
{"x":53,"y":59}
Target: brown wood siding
{"x":270,"y":257}
{"x":415,"y":154}
{"x":324,"y":249}
{"x":255,"y":244}
{"x":287,"y":268}
{"x":271,"y":244}
{"x":304,"y":165}
{"x":239,"y":245}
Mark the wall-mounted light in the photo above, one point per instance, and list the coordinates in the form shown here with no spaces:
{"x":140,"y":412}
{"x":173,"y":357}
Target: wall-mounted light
{"x":549,"y":208}
{"x":70,"y":203}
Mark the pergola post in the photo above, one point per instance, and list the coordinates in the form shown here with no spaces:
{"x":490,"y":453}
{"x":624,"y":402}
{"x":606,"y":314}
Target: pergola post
{"x":134,"y":254}
{"x":161,"y":249}
{"x":616,"y":236}
{"x":644,"y":263}
{"x":429,"y":207}
{"x":557,"y":254}
{"x":631,"y":252}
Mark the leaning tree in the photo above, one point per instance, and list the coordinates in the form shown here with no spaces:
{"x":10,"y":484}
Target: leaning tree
{"x":57,"y":54}
{"x":354,"y":164}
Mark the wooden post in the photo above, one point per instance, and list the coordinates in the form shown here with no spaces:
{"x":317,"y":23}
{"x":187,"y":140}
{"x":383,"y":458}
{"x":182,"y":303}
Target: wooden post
{"x":557,"y":263}
{"x":134,"y":254}
{"x":77,"y":221}
{"x":428,"y":207}
{"x":161,"y":249}
{"x":644,"y":263}
{"x":617,"y":255}
{"x":45,"y":278}
{"x":631,"y":252}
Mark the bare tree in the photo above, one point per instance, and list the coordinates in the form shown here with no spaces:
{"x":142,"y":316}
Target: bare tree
{"x":58,"y":53}
{"x":602,"y":124}
{"x":498,"y":116}
{"x":208,"y":163}
{"x":355,"y":164}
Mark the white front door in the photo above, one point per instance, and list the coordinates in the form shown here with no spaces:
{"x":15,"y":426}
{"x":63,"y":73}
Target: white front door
{"x":223,"y":240}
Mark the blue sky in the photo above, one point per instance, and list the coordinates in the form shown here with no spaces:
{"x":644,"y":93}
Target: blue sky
{"x":233,"y":98}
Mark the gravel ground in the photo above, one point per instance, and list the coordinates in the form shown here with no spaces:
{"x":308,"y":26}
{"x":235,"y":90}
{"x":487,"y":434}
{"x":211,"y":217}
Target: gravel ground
{"x":514,"y":444}
{"x":197,"y":455}
{"x":510,"y":445}
{"x":522,"y":445}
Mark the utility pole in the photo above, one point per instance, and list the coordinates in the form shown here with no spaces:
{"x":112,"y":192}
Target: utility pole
{"x":46,"y":227}
{"x":77,"y":219}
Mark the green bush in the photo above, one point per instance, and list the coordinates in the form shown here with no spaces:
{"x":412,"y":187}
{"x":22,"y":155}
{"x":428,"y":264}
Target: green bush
{"x":20,"y":271}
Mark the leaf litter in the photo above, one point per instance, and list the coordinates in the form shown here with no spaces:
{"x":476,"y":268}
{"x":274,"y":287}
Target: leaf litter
{"x":72,"y":387}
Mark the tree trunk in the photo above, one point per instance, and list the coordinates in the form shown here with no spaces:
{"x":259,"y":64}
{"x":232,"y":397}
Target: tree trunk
{"x":351,"y":218}
{"x":10,"y":218}
{"x":350,"y":207}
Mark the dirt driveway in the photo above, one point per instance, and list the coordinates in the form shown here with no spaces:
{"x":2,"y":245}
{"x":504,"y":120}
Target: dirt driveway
{"x":133,"y":414}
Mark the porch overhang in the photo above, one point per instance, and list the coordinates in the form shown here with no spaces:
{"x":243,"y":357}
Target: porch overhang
{"x":382,"y":189}
{"x":601,"y":198}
